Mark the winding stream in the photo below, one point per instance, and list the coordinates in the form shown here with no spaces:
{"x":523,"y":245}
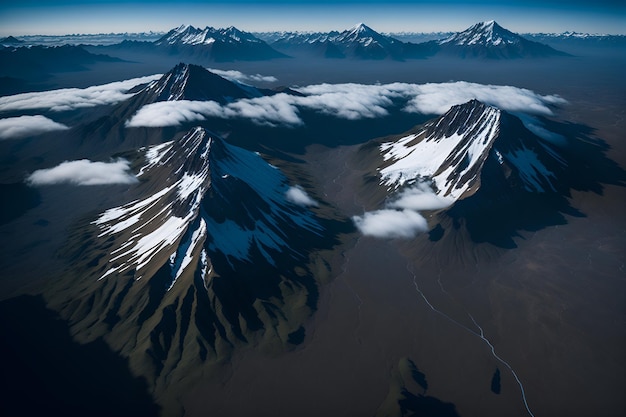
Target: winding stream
{"x":480,"y":334}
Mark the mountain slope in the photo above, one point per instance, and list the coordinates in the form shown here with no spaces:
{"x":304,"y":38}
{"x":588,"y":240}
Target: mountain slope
{"x":209,"y":255}
{"x":183,"y":82}
{"x":490,"y":40}
{"x":478,"y":171}
{"x":193,"y":82}
{"x":452,"y":151}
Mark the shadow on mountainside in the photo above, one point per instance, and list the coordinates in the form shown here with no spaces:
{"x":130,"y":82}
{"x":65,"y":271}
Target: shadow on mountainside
{"x":501,"y":209}
{"x":47,"y":373}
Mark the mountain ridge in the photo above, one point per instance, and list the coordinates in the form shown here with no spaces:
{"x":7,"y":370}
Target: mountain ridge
{"x":203,"y":259}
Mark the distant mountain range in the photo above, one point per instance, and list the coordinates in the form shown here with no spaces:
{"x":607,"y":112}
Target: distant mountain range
{"x":39,"y":61}
{"x":482,"y":40}
{"x":10,"y":41}
{"x":227,"y":44}
{"x":485,"y":40}
{"x":358,"y":42}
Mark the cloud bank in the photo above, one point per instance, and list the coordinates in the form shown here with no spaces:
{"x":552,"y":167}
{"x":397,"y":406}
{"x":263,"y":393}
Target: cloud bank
{"x":74,"y":98}
{"x":84,"y":172}
{"x":299,"y":197}
{"x":262,"y":110}
{"x":438,"y":98}
{"x":348,"y":101}
{"x":24,"y":126}
{"x":243,"y":78}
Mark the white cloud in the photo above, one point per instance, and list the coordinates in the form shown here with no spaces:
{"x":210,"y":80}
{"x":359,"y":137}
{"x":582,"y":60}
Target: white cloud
{"x":243,"y":78}
{"x":400,"y":218}
{"x":24,"y":126}
{"x":262,"y":110}
{"x":276,"y":109}
{"x":349,"y":101}
{"x":391,"y":223}
{"x":420,"y":197}
{"x":298,"y":196}
{"x":74,"y":98}
{"x":173,"y":113}
{"x":84,"y":172}
{"x":438,"y":98}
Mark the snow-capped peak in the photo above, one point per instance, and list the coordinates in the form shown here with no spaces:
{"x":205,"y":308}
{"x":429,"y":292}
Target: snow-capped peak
{"x":487,"y":33}
{"x":359,"y":31}
{"x":183,"y":28}
{"x":248,"y":211}
{"x":448,"y":152}
{"x":193,"y":82}
{"x":360,"y":28}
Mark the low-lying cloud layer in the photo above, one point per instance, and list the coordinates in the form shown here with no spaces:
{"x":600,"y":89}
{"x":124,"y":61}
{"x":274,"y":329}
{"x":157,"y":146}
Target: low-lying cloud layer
{"x":84,"y":172}
{"x":234,"y":75}
{"x":435,"y":98}
{"x":74,"y":98}
{"x":347,"y":101}
{"x":300,"y":197}
{"x":24,"y":126}
{"x":261,"y":110}
{"x":401,"y":218}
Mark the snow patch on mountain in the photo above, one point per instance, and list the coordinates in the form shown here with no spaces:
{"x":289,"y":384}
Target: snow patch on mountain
{"x":247,"y":208}
{"x":157,"y":223}
{"x":181,"y":259}
{"x":427,"y":158}
{"x":531,"y":169}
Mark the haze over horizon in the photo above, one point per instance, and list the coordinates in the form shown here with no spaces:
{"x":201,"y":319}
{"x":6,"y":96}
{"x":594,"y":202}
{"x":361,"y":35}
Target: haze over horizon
{"x":60,"y":17}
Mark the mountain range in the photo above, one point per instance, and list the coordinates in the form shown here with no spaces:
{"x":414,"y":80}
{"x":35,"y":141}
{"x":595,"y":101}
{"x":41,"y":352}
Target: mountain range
{"x":216,"y":44}
{"x":485,"y":40}
{"x":38,"y":62}
{"x":482,"y":40}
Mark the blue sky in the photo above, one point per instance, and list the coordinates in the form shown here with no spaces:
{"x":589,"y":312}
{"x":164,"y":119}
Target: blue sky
{"x":71,"y":16}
